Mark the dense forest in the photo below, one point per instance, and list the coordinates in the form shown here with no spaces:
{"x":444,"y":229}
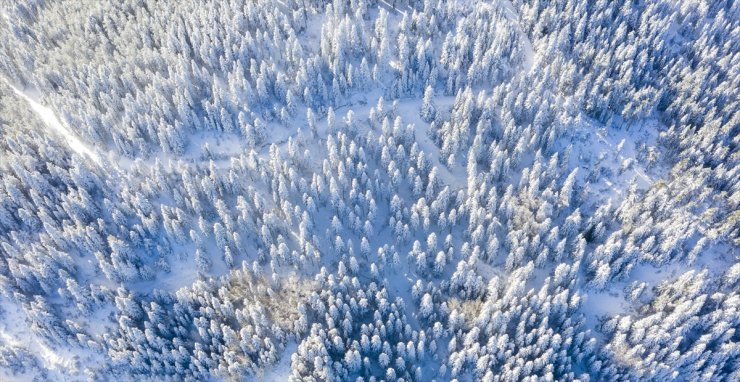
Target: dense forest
{"x":369,"y":190}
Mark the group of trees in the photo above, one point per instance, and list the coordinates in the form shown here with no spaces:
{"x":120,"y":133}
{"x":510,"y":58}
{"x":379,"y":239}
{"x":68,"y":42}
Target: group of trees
{"x":360,"y":333}
{"x":449,"y":242}
{"x":687,"y":329}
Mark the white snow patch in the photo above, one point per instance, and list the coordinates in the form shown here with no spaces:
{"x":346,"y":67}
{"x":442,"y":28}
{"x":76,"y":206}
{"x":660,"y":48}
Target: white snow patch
{"x":612,"y":301}
{"x":15,"y":331}
{"x":608,"y":158}
{"x":456,"y":177}
{"x":281,"y":371}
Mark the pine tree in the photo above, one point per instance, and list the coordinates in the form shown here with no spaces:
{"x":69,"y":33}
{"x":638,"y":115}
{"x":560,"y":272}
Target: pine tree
{"x":428,"y":110}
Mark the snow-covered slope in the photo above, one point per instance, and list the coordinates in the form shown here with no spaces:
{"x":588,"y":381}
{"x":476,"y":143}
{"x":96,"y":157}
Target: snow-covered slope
{"x":368,"y":190}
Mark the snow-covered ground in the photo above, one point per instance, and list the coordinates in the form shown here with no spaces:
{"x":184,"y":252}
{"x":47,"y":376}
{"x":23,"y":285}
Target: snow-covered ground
{"x":530,"y":59}
{"x":281,"y":371}
{"x":15,"y":332}
{"x":133,"y":223}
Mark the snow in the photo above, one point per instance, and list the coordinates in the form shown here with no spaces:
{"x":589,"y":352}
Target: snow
{"x":281,"y":371}
{"x":183,"y":272}
{"x":409,"y":110}
{"x":395,"y":9}
{"x":602,"y":152}
{"x":15,"y":332}
{"x":610,"y":302}
{"x":50,"y":120}
{"x":608,"y":158}
{"x":528,"y":51}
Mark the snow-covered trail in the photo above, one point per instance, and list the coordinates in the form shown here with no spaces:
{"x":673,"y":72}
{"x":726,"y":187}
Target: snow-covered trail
{"x":529,"y":61}
{"x":50,"y":119}
{"x":527,"y":49}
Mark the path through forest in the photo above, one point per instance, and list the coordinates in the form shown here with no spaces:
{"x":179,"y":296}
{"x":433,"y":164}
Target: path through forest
{"x":50,"y":120}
